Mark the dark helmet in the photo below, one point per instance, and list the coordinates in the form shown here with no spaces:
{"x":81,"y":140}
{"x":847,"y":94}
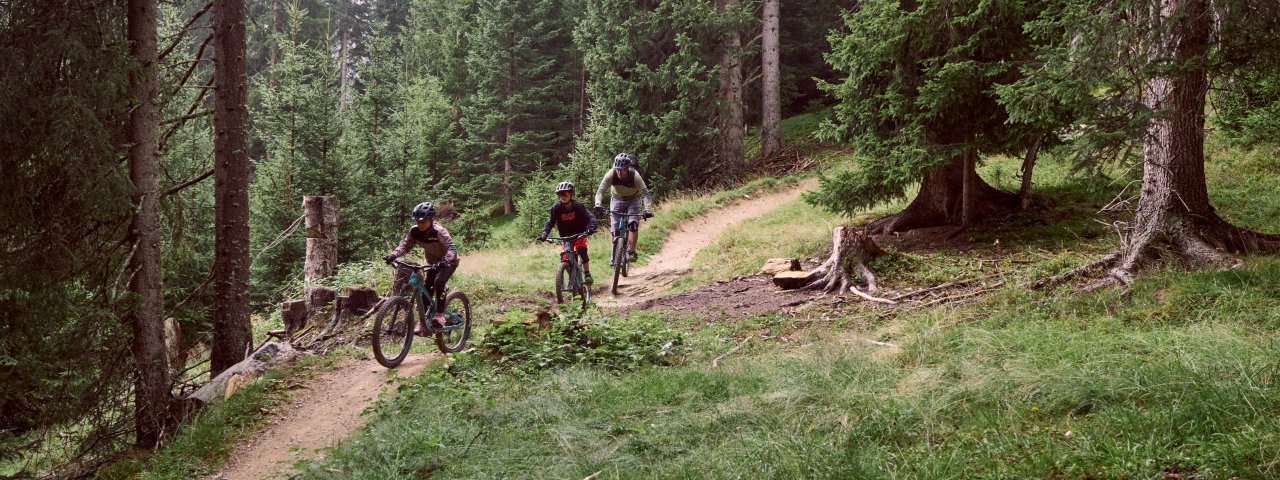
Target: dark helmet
{"x":424,"y":211}
{"x":624,"y":160}
{"x":564,"y":187}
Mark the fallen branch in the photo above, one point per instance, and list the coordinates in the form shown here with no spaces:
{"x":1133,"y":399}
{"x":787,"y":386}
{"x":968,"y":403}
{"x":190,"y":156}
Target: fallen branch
{"x":943,"y":286}
{"x":715,"y":362}
{"x":1056,"y":279}
{"x":962,"y":296}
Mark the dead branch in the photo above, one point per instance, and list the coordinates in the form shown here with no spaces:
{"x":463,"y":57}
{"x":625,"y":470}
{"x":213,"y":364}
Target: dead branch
{"x":715,"y":362}
{"x":961,"y":296}
{"x":1057,"y":279}
{"x":182,"y":32}
{"x":188,"y":183}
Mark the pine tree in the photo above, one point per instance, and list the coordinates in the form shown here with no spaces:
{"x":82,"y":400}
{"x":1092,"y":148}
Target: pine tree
{"x":518,"y":115}
{"x":917,"y":102}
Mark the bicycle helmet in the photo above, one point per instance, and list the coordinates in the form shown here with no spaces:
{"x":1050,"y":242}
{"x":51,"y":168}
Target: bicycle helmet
{"x":564,"y":187}
{"x":622,"y":160}
{"x":424,"y":211}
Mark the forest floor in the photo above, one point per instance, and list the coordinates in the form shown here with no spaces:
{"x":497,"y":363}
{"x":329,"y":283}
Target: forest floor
{"x":321,"y":415}
{"x":330,"y":407}
{"x":645,"y":283}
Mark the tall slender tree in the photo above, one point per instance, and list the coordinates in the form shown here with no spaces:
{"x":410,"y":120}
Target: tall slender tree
{"x":231,"y":328}
{"x":147,"y":318}
{"x":770,"y":102}
{"x":730,"y":93}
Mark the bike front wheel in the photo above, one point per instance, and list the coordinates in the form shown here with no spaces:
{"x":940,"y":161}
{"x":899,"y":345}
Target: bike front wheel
{"x":619,"y":260}
{"x":393,"y":332}
{"x":563,"y":280}
{"x":458,"y":306}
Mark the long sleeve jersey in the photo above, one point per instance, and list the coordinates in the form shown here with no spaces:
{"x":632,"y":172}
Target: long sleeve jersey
{"x":624,"y":188}
{"x":436,"y":243}
{"x":570,"y":219}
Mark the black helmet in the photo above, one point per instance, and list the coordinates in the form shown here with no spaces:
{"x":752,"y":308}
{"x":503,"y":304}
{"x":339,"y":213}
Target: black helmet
{"x":624,"y":160}
{"x":424,"y":211}
{"x":564,"y":187}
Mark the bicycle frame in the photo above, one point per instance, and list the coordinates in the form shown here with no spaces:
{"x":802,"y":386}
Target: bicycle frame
{"x":418,"y":291}
{"x":568,"y":255}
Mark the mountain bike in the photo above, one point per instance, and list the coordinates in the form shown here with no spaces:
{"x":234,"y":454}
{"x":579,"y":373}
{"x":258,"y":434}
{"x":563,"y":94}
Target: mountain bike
{"x":393,"y":329}
{"x":620,"y":260}
{"x":569,"y":275}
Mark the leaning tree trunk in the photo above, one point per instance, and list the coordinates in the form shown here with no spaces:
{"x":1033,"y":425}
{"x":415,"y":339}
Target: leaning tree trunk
{"x":941,"y":200}
{"x":146,"y":320}
{"x":770,"y":106}
{"x":1173,"y":213}
{"x":232,"y":334}
{"x":850,"y":249}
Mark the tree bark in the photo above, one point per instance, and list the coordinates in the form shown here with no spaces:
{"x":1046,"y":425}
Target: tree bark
{"x":1028,"y":167}
{"x":320,"y":220}
{"x":731,"y":115}
{"x":1173,"y":212}
{"x":146,"y":319}
{"x":850,"y":249}
{"x":231,"y":329}
{"x":939,"y":201}
{"x":770,"y":106}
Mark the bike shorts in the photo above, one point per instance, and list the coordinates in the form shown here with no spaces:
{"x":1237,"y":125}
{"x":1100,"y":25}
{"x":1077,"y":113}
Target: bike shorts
{"x":581,"y":242}
{"x":633,"y":206}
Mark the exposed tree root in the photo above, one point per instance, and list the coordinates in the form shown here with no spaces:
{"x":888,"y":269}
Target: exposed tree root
{"x":849,"y":249}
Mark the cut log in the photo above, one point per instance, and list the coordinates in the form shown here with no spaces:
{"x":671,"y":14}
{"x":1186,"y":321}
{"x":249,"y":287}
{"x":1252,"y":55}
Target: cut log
{"x":264,"y":358}
{"x":774,"y":266}
{"x":294,"y":316}
{"x":360,"y":299}
{"x":790,"y":280}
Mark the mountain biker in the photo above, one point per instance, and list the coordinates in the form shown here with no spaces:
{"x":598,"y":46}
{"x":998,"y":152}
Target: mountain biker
{"x":629,"y":195}
{"x":571,"y":217}
{"x":437,"y":246}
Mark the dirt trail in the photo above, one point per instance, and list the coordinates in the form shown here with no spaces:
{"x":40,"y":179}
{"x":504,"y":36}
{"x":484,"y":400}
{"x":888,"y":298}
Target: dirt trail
{"x":320,"y":416}
{"x":685,"y":241}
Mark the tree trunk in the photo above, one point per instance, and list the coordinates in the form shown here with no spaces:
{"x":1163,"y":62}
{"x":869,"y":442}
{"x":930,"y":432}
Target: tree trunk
{"x":1028,"y":166}
{"x":967,"y":192}
{"x":1174,"y":213}
{"x":939,"y":201}
{"x":730,"y":97}
{"x":770,"y":106}
{"x":146,"y":319}
{"x":232,"y":333}
{"x":320,"y":220}
{"x":850,"y":249}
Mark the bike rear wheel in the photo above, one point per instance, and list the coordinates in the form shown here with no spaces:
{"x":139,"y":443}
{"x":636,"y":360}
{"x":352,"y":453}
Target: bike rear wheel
{"x":459,"y":306}
{"x":619,"y":260}
{"x":393,"y":332}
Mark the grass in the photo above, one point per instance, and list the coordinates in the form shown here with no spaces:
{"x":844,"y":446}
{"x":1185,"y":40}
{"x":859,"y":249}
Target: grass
{"x":1179,"y":377}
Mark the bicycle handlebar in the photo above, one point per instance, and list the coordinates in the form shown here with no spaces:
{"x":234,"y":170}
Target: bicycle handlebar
{"x":403,"y":264}
{"x":568,"y":238}
{"x":625,"y":214}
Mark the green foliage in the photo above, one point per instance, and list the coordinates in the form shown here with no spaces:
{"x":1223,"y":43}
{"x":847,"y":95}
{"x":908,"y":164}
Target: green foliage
{"x":617,"y":344}
{"x":651,"y":77}
{"x":918,"y":91}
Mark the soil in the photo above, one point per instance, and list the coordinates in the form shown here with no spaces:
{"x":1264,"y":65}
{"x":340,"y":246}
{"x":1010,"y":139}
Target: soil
{"x":320,"y":416}
{"x":732,"y":300}
{"x":675,"y":258}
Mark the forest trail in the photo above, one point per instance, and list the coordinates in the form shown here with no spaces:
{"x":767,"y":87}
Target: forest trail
{"x":319,"y":416}
{"x":690,"y":237}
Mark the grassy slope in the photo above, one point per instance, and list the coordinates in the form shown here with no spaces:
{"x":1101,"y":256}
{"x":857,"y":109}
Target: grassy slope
{"x":1177,"y":375}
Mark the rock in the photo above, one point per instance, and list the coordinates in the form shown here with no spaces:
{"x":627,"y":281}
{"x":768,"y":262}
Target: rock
{"x":791,"y":279}
{"x":778,"y":265}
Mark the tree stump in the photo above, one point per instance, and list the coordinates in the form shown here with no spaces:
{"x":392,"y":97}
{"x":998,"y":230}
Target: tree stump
{"x":320,"y":297}
{"x":850,"y":248}
{"x":320,"y":218}
{"x":360,"y":299}
{"x":294,"y":316}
